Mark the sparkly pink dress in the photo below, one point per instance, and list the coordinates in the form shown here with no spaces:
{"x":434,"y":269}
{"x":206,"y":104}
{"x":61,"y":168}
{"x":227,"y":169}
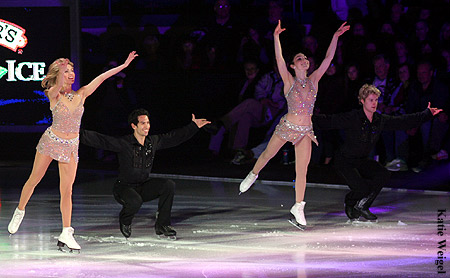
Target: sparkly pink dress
{"x":298,"y":104}
{"x":64,"y":121}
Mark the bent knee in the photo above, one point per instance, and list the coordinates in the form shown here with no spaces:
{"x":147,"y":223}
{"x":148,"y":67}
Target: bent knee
{"x":169,"y":185}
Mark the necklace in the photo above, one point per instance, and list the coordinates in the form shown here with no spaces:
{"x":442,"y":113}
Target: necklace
{"x":302,"y":82}
{"x":69,"y":96}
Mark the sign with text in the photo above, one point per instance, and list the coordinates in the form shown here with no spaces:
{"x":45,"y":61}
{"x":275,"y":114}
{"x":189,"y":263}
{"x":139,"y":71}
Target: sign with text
{"x":30,"y":40}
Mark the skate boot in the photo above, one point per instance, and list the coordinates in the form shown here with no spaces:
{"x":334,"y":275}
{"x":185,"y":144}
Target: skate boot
{"x":66,"y":238}
{"x":16,"y":220}
{"x":247,"y":182}
{"x":167,"y":231}
{"x":298,"y":219}
{"x":125,"y":230}
{"x":364,"y":211}
{"x":351,"y":213}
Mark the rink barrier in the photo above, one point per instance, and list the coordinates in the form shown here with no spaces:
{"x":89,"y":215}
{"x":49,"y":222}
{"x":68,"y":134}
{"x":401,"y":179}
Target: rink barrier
{"x":288,"y":183}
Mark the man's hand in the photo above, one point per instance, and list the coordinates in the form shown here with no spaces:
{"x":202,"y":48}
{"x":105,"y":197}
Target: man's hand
{"x":434,"y":111}
{"x":200,"y":122}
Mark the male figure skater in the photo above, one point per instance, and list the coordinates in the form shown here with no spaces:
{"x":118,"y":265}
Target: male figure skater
{"x":136,"y":153}
{"x":365,"y":176}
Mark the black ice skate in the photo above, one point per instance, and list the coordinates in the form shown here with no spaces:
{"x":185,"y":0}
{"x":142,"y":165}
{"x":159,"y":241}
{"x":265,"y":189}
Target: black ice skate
{"x":362,"y":208}
{"x":352,"y":213}
{"x":166,"y":232}
{"x":125,"y":230}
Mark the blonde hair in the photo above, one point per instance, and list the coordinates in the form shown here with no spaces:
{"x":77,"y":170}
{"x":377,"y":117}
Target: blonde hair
{"x":367,"y":90}
{"x":53,"y":70}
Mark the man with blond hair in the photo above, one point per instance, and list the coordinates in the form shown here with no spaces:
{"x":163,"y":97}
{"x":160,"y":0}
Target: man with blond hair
{"x":365,"y":176}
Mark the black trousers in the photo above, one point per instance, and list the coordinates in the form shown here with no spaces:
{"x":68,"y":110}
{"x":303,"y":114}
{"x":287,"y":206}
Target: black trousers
{"x":131,"y":197}
{"x":364,"y":177}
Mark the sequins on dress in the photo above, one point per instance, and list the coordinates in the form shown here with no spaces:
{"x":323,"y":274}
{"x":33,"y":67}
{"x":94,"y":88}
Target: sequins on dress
{"x":298,"y":104}
{"x":64,"y":121}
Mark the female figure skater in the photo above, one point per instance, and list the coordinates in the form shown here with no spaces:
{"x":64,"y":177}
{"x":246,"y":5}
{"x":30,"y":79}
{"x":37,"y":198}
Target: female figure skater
{"x":296,"y":126}
{"x":60,"y":141}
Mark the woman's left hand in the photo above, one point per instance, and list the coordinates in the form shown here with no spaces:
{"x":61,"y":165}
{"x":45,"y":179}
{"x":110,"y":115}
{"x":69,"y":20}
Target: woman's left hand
{"x":344,"y":28}
{"x":200,"y":122}
{"x":130,"y":58}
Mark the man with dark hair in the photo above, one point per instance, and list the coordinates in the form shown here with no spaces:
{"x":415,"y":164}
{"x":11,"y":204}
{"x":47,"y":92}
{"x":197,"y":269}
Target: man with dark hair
{"x":136,"y":152}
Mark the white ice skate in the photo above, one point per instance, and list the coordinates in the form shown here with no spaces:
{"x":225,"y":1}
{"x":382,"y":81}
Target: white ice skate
{"x":66,"y":238}
{"x":299,"y":219}
{"x":16,"y":220}
{"x":247,"y":182}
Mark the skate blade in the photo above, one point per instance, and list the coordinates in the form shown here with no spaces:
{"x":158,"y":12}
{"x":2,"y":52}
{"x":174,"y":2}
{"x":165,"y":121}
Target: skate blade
{"x":61,"y":248}
{"x":297,"y":225}
{"x":163,"y":237}
{"x":357,"y":222}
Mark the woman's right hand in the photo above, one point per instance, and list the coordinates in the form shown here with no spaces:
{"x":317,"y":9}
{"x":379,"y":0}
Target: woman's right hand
{"x":278,"y":29}
{"x":62,"y":66}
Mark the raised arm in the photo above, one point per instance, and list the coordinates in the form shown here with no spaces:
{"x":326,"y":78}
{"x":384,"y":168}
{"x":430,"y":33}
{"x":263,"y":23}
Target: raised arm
{"x":93,"y":85}
{"x":281,"y":63}
{"x":320,"y":71}
{"x":54,"y":90}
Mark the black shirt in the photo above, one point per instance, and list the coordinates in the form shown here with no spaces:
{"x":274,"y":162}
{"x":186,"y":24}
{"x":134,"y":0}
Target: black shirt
{"x":361,"y":135}
{"x":136,"y":160}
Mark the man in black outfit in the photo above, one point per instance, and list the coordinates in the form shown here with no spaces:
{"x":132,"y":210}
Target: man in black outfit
{"x":365,"y":176}
{"x":136,"y":153}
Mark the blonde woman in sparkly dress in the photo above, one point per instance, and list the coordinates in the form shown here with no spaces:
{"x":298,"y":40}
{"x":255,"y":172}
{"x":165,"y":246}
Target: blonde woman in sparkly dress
{"x":296,"y":126}
{"x":60,"y":141}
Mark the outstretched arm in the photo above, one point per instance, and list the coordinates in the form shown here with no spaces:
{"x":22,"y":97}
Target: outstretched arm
{"x":281,"y":64}
{"x":319,"y":72}
{"x":93,"y":85}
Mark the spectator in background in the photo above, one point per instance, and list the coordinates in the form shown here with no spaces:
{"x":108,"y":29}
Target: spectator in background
{"x":187,"y":56}
{"x":443,"y":73}
{"x":382,"y":80}
{"x":253,"y":47}
{"x":223,"y":32}
{"x":267,"y":23}
{"x":429,"y":89}
{"x":329,"y":101}
{"x":396,"y":141}
{"x":444,"y":36}
{"x":152,"y":59}
{"x":419,"y":39}
{"x":386,"y":39}
{"x":398,"y":20}
{"x":401,"y":55}
{"x":386,"y":84}
{"x":352,"y":84}
{"x":257,"y":111}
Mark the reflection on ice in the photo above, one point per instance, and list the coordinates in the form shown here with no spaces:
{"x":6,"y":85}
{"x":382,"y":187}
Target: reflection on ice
{"x":221,"y":234}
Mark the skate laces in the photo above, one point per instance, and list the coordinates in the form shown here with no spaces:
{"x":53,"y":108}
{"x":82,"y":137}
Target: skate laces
{"x":18,"y":216}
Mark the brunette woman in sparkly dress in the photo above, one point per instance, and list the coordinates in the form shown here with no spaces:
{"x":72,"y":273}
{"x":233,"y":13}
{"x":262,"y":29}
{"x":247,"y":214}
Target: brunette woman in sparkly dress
{"x":296,"y":126}
{"x":60,"y":141}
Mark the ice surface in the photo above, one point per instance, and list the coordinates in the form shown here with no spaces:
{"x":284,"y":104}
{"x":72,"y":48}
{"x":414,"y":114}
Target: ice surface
{"x":221,"y":234}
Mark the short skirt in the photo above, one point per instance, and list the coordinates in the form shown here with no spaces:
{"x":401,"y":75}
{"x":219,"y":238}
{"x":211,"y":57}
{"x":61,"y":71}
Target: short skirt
{"x":57,"y":148}
{"x":294,"y":133}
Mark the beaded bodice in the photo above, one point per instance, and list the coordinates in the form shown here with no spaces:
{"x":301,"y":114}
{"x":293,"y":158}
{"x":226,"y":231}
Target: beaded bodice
{"x":301,"y":103}
{"x":64,"y":120}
